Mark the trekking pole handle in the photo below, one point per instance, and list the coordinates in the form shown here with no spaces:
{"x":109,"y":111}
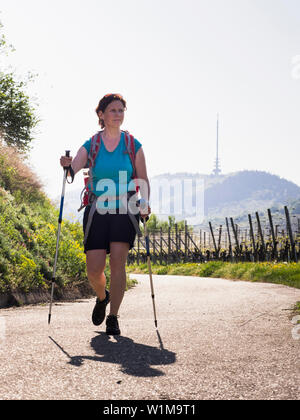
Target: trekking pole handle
{"x":67,"y":155}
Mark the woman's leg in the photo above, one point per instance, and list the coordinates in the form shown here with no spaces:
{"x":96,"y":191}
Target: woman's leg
{"x":118,"y":256}
{"x":95,"y":264}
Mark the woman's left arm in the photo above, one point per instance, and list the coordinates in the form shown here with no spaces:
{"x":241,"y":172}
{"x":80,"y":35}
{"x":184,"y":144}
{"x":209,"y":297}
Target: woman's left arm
{"x":141,"y":172}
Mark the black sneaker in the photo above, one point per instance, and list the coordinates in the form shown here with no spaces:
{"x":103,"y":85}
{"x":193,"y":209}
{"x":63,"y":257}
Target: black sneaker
{"x":99,"y":309}
{"x":112,"y":325}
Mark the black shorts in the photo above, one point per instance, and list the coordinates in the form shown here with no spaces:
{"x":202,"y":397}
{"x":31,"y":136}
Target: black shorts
{"x":106,"y":228}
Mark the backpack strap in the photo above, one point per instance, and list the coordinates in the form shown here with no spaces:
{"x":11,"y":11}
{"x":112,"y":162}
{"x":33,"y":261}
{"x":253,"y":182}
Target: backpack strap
{"x":130,"y":149}
{"x":130,"y":146}
{"x":94,"y":150}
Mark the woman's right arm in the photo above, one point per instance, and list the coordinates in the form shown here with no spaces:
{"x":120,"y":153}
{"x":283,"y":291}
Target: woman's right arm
{"x":78,"y":162}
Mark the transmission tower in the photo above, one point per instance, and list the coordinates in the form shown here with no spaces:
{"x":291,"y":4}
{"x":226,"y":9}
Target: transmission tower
{"x":217,"y":169}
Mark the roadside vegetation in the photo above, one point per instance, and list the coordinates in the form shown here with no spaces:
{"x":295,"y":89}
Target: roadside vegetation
{"x":280,"y":273}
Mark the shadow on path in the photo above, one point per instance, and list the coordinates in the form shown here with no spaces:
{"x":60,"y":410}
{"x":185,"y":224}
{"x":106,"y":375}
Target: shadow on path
{"x":134,"y":359}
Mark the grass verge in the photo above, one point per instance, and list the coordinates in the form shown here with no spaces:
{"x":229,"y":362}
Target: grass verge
{"x":267,"y":272}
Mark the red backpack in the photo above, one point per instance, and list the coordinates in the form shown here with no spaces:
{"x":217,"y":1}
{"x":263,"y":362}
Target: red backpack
{"x":94,"y":150}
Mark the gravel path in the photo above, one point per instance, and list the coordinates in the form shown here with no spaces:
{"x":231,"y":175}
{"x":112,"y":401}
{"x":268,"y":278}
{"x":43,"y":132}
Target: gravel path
{"x":216,"y":339}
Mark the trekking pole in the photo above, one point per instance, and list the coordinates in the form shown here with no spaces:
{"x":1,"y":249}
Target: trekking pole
{"x":58,"y":235}
{"x":149,"y":267}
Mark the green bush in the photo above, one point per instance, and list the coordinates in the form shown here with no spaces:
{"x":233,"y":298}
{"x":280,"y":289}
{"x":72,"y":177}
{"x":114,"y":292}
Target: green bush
{"x":28,"y":242}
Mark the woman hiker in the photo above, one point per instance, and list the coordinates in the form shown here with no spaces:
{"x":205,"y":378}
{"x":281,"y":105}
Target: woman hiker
{"x":111,"y":231}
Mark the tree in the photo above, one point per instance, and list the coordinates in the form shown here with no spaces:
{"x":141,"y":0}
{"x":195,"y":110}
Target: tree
{"x":17,"y":118}
{"x":4,"y":46}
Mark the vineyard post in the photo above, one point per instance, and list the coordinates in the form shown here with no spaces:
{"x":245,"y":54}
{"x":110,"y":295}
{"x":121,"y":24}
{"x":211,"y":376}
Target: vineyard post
{"x":290,"y":233}
{"x":169,"y":244}
{"x":161,"y":250}
{"x":260,"y":232}
{"x":179,"y":243}
{"x":252,"y":237}
{"x":235,"y":237}
{"x":185,"y":241}
{"x":172,"y":238}
{"x":176,"y":240}
{"x":229,"y":239}
{"x":213,"y":238}
{"x":195,"y":246}
{"x":273,"y":234}
{"x":219,"y":243}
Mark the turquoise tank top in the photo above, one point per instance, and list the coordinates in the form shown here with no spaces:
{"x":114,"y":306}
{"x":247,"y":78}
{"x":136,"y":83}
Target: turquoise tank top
{"x":112,"y":173}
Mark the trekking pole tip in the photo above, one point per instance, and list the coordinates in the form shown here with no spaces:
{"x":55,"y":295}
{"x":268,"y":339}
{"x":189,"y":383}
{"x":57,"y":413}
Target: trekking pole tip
{"x":49,"y":319}
{"x":155,"y":322}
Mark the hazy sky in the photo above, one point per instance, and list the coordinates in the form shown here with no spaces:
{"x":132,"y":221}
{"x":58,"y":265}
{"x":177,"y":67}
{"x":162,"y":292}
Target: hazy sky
{"x":178,"y":64}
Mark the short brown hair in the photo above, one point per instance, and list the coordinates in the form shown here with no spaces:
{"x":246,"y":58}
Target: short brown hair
{"x":105,"y":101}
